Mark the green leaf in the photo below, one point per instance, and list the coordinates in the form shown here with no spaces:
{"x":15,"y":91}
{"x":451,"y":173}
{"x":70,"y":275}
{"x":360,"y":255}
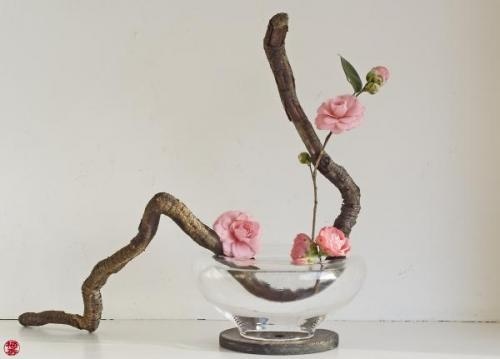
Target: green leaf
{"x":352,"y":75}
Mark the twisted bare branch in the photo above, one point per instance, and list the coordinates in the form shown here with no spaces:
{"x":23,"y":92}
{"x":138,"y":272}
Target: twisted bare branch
{"x":274,"y":46}
{"x":161,"y":203}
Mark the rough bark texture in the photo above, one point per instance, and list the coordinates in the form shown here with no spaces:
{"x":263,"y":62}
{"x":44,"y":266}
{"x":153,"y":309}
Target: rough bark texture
{"x":274,"y":45}
{"x":162,"y":203}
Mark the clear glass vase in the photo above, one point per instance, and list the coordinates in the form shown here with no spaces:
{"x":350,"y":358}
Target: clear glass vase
{"x":275,"y":300}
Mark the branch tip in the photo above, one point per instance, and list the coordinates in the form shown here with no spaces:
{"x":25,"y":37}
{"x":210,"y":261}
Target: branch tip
{"x":279,"y":20}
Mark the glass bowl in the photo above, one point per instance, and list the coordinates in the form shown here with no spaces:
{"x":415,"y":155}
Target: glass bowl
{"x":273,"y":299}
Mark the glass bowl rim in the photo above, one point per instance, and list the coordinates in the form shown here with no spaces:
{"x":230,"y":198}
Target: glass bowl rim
{"x":281,"y":264}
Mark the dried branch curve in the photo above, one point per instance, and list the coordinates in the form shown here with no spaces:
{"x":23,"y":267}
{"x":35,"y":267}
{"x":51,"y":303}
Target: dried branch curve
{"x":161,"y":203}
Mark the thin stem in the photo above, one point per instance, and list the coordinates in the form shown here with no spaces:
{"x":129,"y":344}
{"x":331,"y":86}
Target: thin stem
{"x":314,"y":175}
{"x":315,"y":200}
{"x":360,"y":91}
{"x":311,"y":170}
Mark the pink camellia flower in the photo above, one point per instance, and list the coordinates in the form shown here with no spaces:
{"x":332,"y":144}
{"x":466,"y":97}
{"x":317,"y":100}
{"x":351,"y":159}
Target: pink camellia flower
{"x":332,"y":242}
{"x":239,"y":234}
{"x":378,"y":74}
{"x":340,"y":114}
{"x":303,"y":250}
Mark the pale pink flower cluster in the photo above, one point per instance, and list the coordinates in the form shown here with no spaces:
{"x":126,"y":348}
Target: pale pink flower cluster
{"x":331,"y":242}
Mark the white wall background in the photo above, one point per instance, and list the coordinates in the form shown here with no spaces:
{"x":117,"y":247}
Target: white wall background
{"x":104,"y":103}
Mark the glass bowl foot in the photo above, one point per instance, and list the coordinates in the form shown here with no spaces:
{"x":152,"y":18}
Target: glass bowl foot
{"x":278,"y":343}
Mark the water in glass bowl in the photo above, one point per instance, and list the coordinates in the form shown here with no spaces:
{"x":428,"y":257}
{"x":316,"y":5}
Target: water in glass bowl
{"x":273,"y":299}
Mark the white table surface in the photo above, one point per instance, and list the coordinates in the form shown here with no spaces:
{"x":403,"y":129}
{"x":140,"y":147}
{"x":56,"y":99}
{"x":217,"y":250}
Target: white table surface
{"x":199,"y":339}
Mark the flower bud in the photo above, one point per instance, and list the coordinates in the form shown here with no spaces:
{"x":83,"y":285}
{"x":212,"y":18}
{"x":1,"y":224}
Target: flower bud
{"x":372,"y":77}
{"x":304,"y":250}
{"x":305,"y":158}
{"x":378,"y":75}
{"x":372,"y":87}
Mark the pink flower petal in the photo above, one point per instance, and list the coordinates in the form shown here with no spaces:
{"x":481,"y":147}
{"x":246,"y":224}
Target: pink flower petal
{"x":338,"y":108}
{"x":242,"y":251}
{"x":323,"y":109}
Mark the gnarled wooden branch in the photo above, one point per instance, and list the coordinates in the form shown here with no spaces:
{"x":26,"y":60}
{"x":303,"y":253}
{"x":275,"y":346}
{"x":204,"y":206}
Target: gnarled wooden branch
{"x":274,"y":45}
{"x":162,"y":203}
{"x":168,"y":205}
